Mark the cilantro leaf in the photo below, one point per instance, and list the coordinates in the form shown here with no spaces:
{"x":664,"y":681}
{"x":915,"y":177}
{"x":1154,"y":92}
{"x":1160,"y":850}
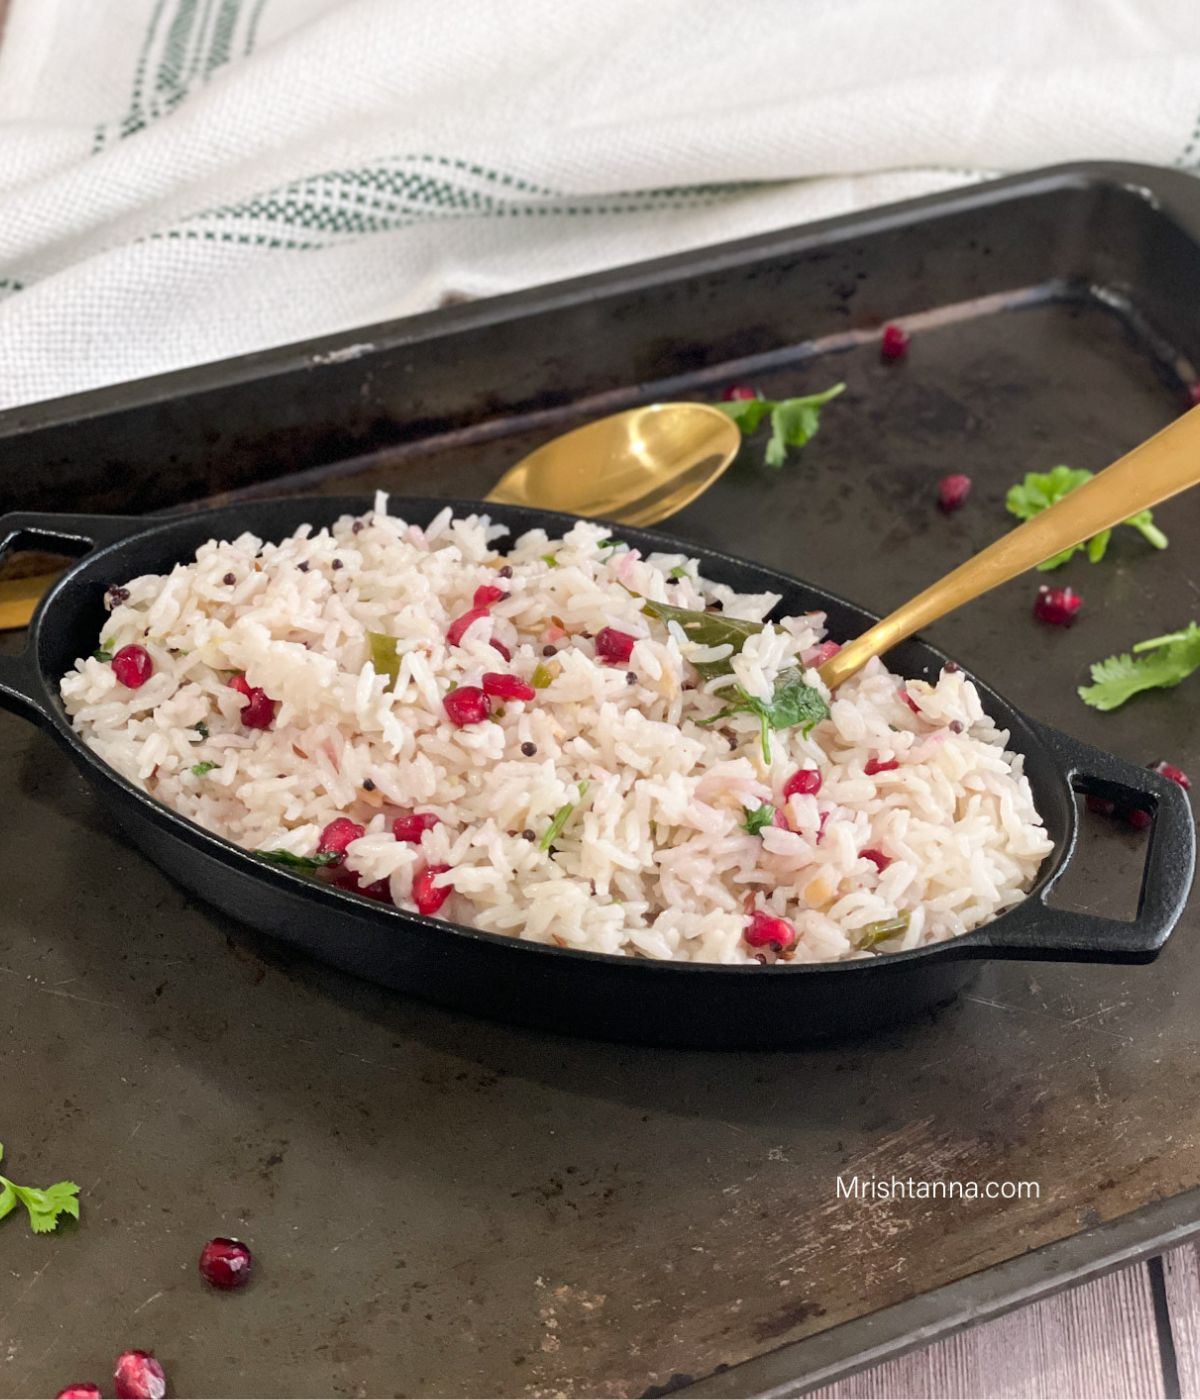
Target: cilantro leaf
{"x":1039,"y":490}
{"x":1157,"y":664}
{"x":746,"y":413}
{"x":206,"y":767}
{"x":793,"y":702}
{"x":43,"y":1206}
{"x":1143,"y":522}
{"x":793,"y":421}
{"x":286,"y":858}
{"x":710,"y":629}
{"x":679,"y":571}
{"x":761,"y":817}
{"x":102,"y":654}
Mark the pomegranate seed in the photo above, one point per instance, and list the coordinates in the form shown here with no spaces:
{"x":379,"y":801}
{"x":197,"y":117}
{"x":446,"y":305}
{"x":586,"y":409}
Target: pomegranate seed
{"x":502,"y":649}
{"x":352,"y":881}
{"x":1137,"y":818}
{"x":427,"y":896}
{"x":338,"y":835}
{"x":894,"y":343}
{"x":878,"y":765}
{"x":1102,"y":806}
{"x":507,"y":687}
{"x":259,"y":710}
{"x":877,"y":858}
{"x":132,"y":666}
{"x":909,"y":701}
{"x":413,"y":825}
{"x":1056,"y":606}
{"x":953,"y":491}
{"x":487,"y":594}
{"x":457,"y":629}
{"x":138,"y":1376}
{"x":225,"y":1263}
{"x":767,"y":931}
{"x":1168,"y":770}
{"x":804,"y":781}
{"x":467,"y":705}
{"x":613,"y":646}
{"x":822,"y":652}
{"x":1193,"y":393}
{"x":84,"y":1391}
{"x":739,"y":391}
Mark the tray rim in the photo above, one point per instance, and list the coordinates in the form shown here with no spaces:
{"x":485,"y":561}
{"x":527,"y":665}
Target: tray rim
{"x":1166,"y":190}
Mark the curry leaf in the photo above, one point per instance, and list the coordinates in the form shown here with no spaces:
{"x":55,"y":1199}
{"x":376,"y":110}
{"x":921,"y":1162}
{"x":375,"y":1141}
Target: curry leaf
{"x":880,"y":931}
{"x":710,"y":629}
{"x":294,"y":862}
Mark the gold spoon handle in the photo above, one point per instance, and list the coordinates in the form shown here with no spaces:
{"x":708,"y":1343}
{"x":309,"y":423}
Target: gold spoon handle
{"x":1164,"y":465}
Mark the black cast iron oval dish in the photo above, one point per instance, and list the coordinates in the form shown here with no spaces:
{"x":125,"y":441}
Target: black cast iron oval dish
{"x":698,"y":1004}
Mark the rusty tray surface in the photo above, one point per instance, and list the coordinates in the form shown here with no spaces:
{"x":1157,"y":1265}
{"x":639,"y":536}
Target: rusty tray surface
{"x":445,"y":1206}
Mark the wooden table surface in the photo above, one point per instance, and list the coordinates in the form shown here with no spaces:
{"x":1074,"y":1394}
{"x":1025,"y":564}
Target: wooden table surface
{"x":1134,"y":1333}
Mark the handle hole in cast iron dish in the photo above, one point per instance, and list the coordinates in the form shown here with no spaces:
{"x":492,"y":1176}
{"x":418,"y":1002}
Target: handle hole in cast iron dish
{"x":1104,"y":875}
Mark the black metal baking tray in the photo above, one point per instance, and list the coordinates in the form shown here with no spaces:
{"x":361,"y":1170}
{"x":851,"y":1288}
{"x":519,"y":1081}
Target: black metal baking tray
{"x":568,"y":1216}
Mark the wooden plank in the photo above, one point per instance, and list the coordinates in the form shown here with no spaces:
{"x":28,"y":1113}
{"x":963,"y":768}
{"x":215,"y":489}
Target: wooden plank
{"x":1098,"y":1340}
{"x":1181,"y":1271}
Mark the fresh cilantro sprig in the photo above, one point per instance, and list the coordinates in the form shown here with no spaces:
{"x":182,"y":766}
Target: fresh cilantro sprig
{"x":759,"y":818}
{"x":44,"y":1207}
{"x":793,"y":702}
{"x":1040,"y":490}
{"x":793,"y":421}
{"x":1156,"y":664}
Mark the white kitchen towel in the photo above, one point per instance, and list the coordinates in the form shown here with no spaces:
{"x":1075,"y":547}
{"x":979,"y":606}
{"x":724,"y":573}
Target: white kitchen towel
{"x":183,"y":180}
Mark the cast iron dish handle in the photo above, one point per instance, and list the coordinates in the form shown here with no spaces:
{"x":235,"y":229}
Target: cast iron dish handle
{"x":76,"y":535}
{"x":1033,"y":930}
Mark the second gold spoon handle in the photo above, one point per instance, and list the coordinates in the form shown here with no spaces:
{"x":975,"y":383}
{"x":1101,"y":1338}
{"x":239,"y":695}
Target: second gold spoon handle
{"x":1165,"y":464}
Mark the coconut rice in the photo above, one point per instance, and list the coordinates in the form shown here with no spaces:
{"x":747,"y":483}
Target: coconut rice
{"x":653,"y":857}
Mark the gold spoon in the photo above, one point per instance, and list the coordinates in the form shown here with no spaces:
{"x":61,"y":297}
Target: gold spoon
{"x":1161,"y":467}
{"x":635,"y":467}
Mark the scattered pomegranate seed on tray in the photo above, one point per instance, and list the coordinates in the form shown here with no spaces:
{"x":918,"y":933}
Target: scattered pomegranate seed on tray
{"x":225,"y":1263}
{"x":1057,"y":606}
{"x":894,"y":343}
{"x":953,"y":491}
